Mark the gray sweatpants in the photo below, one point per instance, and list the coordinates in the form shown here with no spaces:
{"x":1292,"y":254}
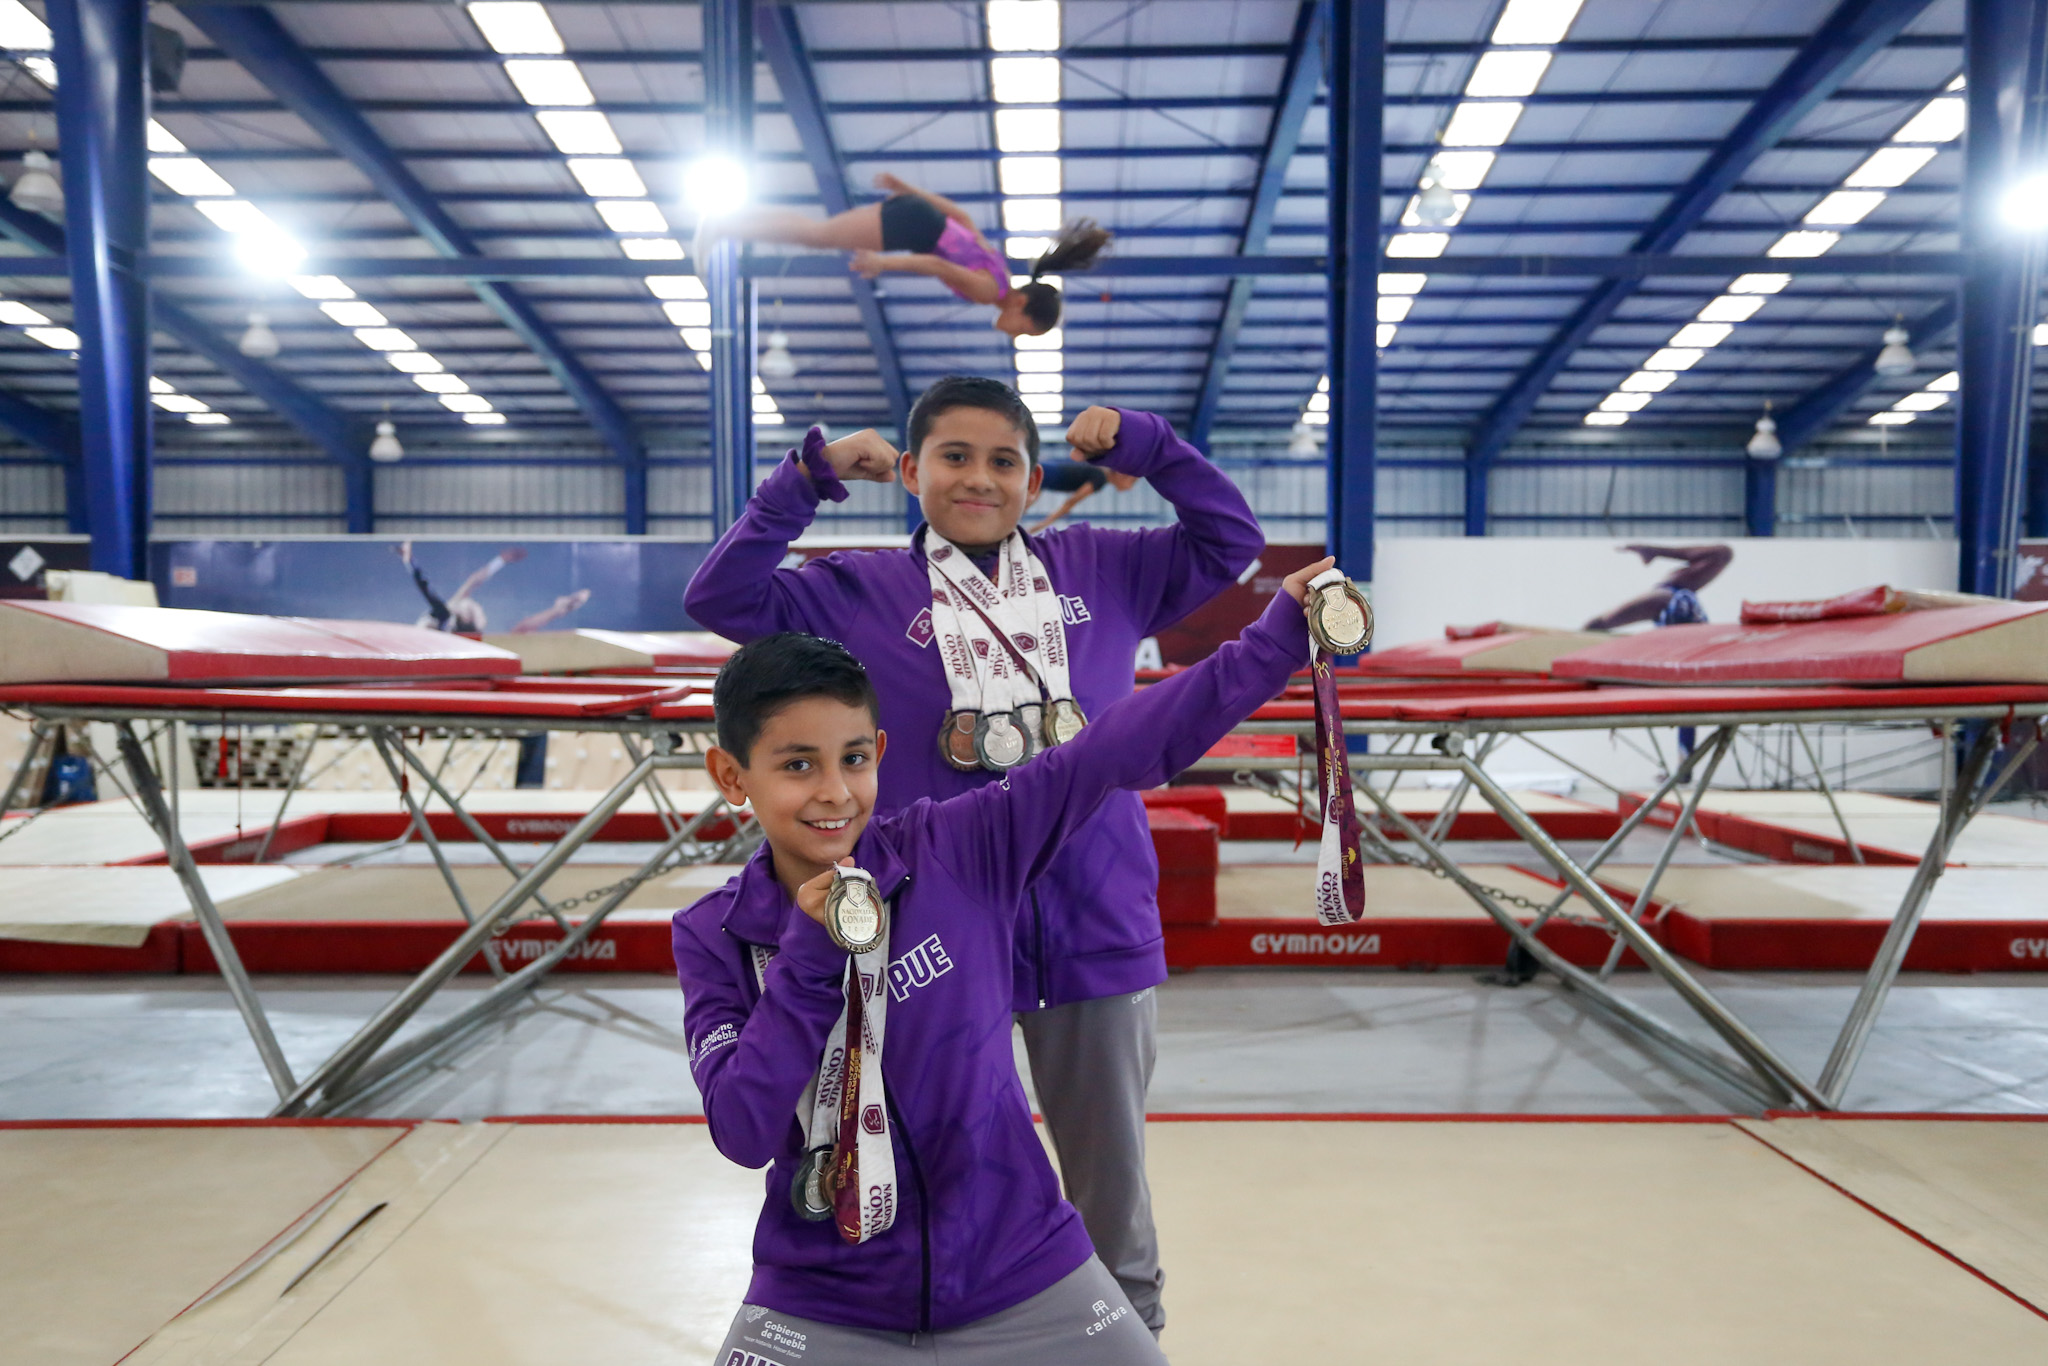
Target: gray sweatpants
{"x":1080,"y":1320}
{"x":1091,"y":1064}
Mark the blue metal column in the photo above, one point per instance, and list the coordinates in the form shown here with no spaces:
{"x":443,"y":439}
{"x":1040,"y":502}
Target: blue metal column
{"x":1357,"y":48}
{"x":1759,"y":497}
{"x":729,"y":131}
{"x":2001,"y":289}
{"x":102,"y":116}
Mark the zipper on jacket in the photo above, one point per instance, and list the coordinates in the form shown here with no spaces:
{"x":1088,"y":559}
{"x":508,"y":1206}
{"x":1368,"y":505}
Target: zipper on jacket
{"x":924,"y":1222}
{"x":1038,"y":938}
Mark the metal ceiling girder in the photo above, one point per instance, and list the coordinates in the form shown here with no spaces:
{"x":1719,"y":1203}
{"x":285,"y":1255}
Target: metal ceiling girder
{"x":1846,"y":40}
{"x":782,"y":44}
{"x":1299,"y":81}
{"x":254,"y":38}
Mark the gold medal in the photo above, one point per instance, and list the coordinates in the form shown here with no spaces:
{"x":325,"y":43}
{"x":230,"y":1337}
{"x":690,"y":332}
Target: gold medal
{"x":1339,"y":617}
{"x":956,"y":741}
{"x":999,"y":742}
{"x":1063,"y":721}
{"x":855,"y":915}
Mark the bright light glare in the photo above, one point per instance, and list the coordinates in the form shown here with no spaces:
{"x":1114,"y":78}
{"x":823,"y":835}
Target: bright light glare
{"x":1418,"y":244}
{"x":1700,"y":336}
{"x":713,"y":183}
{"x":17,"y":314}
{"x":514,"y":26}
{"x":1732,"y":308}
{"x":441,"y":384}
{"x":1463,"y":170}
{"x":385,"y":339}
{"x":549,"y":82}
{"x":1393,"y":308}
{"x":1624,"y":403}
{"x":580,"y":132}
{"x":1029,"y":175}
{"x":162,"y":141}
{"x":1480,"y":125}
{"x":322,"y":287}
{"x":652,"y":249}
{"x":1941,"y":121}
{"x":1401,"y":283}
{"x":1648,"y":382}
{"x":355,"y":314}
{"x":271,"y":252}
{"x":1673,"y":358}
{"x":1804,"y":244}
{"x":1844,"y":206}
{"x":1028,"y":130}
{"x":1605,"y":419}
{"x":1024,"y":80}
{"x":1536,"y":21}
{"x":20,"y":30}
{"x":56,"y":338}
{"x":688,"y":312}
{"x":1510,"y":74}
{"x":414,"y":362}
{"x":1031,"y":215}
{"x":1024,"y":25}
{"x":631,"y":215}
{"x":1920,"y":403}
{"x":1759,"y":284}
{"x":1889,"y":167}
{"x":676,"y":287}
{"x":2026,"y":204}
{"x":607,"y":177}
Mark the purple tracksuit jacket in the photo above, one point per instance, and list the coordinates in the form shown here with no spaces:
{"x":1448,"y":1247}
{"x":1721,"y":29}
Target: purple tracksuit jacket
{"x":1091,"y":926}
{"x":980,"y":1225}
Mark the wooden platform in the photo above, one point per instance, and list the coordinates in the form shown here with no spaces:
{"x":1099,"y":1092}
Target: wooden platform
{"x":1695,"y":1243}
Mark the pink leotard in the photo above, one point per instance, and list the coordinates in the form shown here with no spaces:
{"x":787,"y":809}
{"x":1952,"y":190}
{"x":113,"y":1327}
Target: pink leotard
{"x":963,"y":247}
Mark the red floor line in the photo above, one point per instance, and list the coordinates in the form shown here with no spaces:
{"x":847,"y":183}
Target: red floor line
{"x":1906,"y":1229}
{"x":1835,"y":1116}
{"x":1402,"y":1117}
{"x":305,"y":1123}
{"x":595,"y":1119}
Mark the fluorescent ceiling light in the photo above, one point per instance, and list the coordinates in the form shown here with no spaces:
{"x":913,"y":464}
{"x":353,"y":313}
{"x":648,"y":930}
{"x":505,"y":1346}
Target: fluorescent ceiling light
{"x":1673,"y":358}
{"x":764,"y":405}
{"x":631,"y":215}
{"x":1922,"y":402}
{"x":697,"y":339}
{"x":580,"y":132}
{"x":1046,"y":341}
{"x":1648,"y":382}
{"x":652,"y":249}
{"x":162,"y":141}
{"x":1316,"y":419}
{"x":56,"y":338}
{"x":179,"y":403}
{"x":1383,"y":336}
{"x":1323,"y":384}
{"x":1394,"y":307}
{"x":355,"y":313}
{"x":465,"y":403}
{"x":688,"y":312}
{"x":1889,"y":167}
{"x":208,"y":419}
{"x":441,"y":384}
{"x":1844,"y":206}
{"x":514,"y":26}
{"x":236,"y":215}
{"x":1041,"y":384}
{"x":1946,"y":384}
{"x":1418,"y":244}
{"x":1039,"y":362}
{"x":1026,"y":248}
{"x":160,"y":386}
{"x":549,"y":82}
{"x":1619,"y":402}
{"x":1804,"y":244}
{"x":1028,"y":130}
{"x":1024,"y":25}
{"x":1759,"y":284}
{"x":1535,"y":21}
{"x":1024,"y":80}
{"x":1476,"y":124}
{"x":1510,"y":74}
{"x":676,"y":287}
{"x":1596,"y":418}
{"x":607,"y":177}
{"x":1941,"y":121}
{"x":1031,"y":215}
{"x":1732,"y":308}
{"x":1700,"y":336}
{"x":414,"y":362}
{"x":1319,"y":403}
{"x":42,"y":68}
{"x":1411,"y":217}
{"x":1398,"y":283}
{"x":322,"y":287}
{"x":385,"y":339}
{"x":484,"y":419}
{"x":1463,"y":170}
{"x":1891,"y":419}
{"x":17,"y":314}
{"x":21,"y":30}
{"x":1029,"y":175}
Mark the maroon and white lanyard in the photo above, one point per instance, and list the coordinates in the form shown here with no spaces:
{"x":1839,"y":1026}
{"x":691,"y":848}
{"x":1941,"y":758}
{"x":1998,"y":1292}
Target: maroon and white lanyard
{"x":1340,"y":879}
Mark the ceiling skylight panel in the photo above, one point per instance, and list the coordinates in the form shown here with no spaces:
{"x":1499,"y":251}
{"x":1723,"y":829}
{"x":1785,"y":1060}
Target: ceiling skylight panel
{"x":1393,"y":308}
{"x":1399,"y":282}
{"x":1759,"y":284}
{"x":1922,"y":402}
{"x":1804,"y":244}
{"x":676,"y":287}
{"x":1530,"y":22}
{"x":21,"y":30}
{"x":1941,"y":121}
{"x":1889,"y":167}
{"x":1598,"y":418}
{"x":1411,"y":217}
{"x":17,"y":314}
{"x":1620,"y":402}
{"x":1024,"y":25}
{"x":1028,"y":130}
{"x":1845,"y":207}
{"x":1509,"y":74}
{"x":162,"y":141}
{"x":631,"y":215}
{"x":514,"y":27}
{"x":607,"y":177}
{"x":652,"y":249}
{"x":56,"y":338}
{"x":355,"y":313}
{"x":385,"y":339}
{"x":322,"y":287}
{"x":1418,"y":244}
{"x":1462,"y":170}
{"x":1648,"y":382}
{"x":1024,"y":80}
{"x":441,"y":384}
{"x":1700,"y":336}
{"x":190,"y":176}
{"x":1031,"y":215}
{"x":1947,"y":384}
{"x":580,"y":132}
{"x":1479,"y":124}
{"x":1732,"y":308}
{"x":1029,"y":175}
{"x":549,"y":82}
{"x":1673,"y":358}
{"x":414,"y":362}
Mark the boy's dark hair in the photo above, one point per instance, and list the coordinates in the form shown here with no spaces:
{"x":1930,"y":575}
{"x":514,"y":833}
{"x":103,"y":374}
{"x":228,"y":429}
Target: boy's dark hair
{"x":768,"y":674}
{"x":971,"y":391}
{"x":1076,"y":248}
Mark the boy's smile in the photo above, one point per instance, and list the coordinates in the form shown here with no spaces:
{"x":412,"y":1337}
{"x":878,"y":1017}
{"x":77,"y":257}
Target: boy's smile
{"x":811,"y":779}
{"x":972,"y":477}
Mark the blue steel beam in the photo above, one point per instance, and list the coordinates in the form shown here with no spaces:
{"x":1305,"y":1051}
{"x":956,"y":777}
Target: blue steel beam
{"x":1849,"y":37}
{"x":1298,"y":82}
{"x":1357,"y":77}
{"x":729,"y":131}
{"x":101,"y":116}
{"x":782,"y":44}
{"x":260,"y":44}
{"x":2001,"y":291}
{"x":1814,"y":413}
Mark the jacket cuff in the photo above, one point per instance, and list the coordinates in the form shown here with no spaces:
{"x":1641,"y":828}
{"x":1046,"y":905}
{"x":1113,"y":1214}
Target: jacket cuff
{"x":810,"y":950}
{"x":1282,"y":628}
{"x":1138,"y":443}
{"x":824,"y":481}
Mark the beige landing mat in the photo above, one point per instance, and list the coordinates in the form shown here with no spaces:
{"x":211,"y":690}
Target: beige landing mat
{"x":1894,"y":824}
{"x":412,"y":893}
{"x":1834,"y":892}
{"x":1972,"y":1188}
{"x":116,"y":906}
{"x":1286,"y":891}
{"x":106,"y":1233}
{"x":1449,"y":1244}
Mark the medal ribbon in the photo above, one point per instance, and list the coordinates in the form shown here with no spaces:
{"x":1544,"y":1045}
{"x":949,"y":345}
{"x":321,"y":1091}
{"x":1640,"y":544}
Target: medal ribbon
{"x":846,"y":1107}
{"x":1009,"y":632}
{"x":1340,"y":878}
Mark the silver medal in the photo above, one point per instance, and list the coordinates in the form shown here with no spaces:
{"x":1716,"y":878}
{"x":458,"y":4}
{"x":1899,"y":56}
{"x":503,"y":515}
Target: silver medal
{"x":999,"y":742}
{"x":855,"y":915}
{"x":1339,"y":617}
{"x":807,"y":1186}
{"x":1031,"y":721}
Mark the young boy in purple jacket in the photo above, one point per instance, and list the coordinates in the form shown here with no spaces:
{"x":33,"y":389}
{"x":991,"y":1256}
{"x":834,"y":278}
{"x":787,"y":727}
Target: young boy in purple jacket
{"x":950,"y":1237}
{"x":1088,"y":945}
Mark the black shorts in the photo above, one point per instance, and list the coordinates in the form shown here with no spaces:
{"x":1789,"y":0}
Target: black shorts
{"x":911,"y":223}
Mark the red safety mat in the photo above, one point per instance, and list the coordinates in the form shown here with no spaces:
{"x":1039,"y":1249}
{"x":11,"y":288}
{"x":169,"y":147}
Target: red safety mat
{"x":665,"y":703}
{"x":1623,"y":703}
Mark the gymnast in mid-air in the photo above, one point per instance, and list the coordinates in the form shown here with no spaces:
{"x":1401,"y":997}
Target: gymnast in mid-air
{"x":922,"y":233}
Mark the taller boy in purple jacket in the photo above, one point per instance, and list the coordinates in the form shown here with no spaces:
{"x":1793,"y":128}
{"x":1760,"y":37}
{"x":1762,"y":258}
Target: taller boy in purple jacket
{"x":1088,"y":946}
{"x":977,"y":1247}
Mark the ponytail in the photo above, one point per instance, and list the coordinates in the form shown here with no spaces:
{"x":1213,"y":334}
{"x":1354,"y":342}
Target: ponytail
{"x":1076,"y":248}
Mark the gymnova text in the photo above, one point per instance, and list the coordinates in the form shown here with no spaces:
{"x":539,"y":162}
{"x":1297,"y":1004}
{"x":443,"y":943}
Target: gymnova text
{"x":1337,"y":944}
{"x":511,"y":950}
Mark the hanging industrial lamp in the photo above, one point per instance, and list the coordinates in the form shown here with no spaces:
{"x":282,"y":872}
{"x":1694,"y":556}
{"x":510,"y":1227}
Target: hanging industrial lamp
{"x":36,"y":190}
{"x":1764,"y":445}
{"x":776,"y":362}
{"x":385,"y":448}
{"x":1303,"y":441}
{"x":1435,"y":205}
{"x":259,"y":342}
{"x":1896,"y":358}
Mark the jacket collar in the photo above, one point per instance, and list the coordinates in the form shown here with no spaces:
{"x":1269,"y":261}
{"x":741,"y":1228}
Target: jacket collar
{"x":761,"y":908}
